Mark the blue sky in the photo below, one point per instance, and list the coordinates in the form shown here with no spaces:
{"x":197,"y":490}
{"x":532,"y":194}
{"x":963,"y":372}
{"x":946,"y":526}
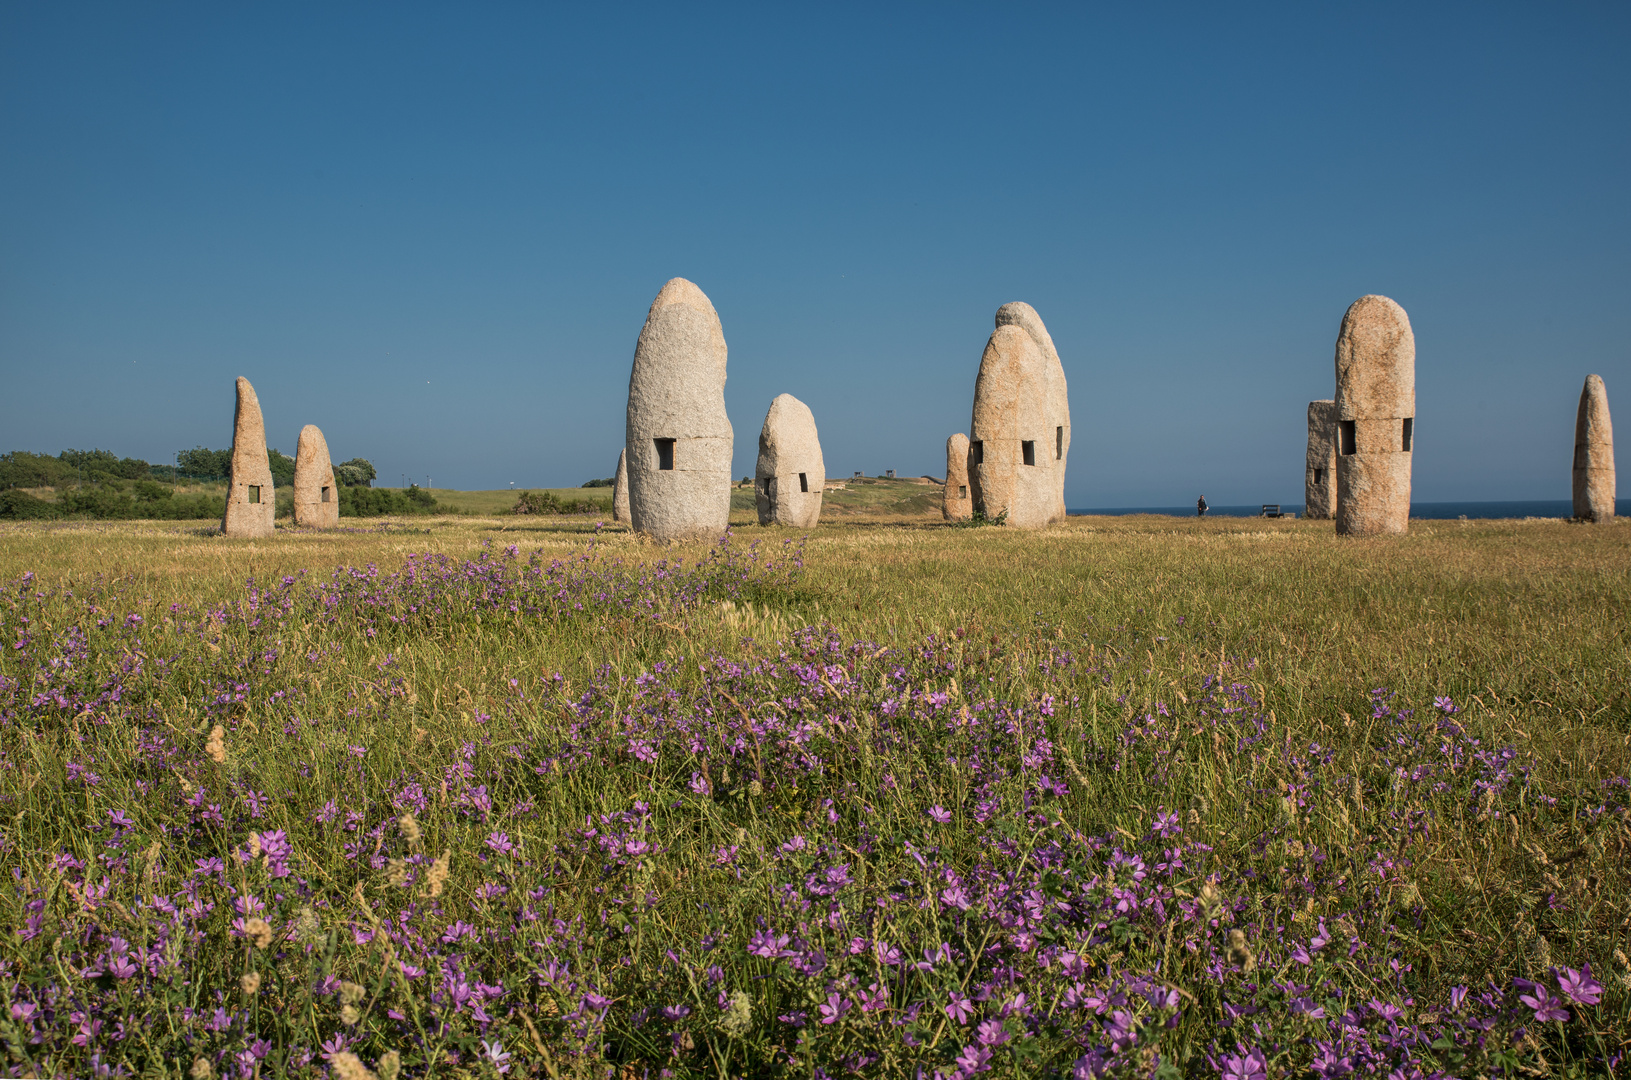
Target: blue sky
{"x":434,"y":230}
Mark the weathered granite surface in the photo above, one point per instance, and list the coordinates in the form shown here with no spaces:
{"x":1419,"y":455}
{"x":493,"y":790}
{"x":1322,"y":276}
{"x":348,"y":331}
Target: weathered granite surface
{"x":1056,"y":394}
{"x":250,"y":508}
{"x":1010,"y":436}
{"x":1376,"y":410}
{"x":958,"y":503}
{"x":620,"y":488}
{"x":316,"y":495}
{"x":678,"y":436}
{"x":1320,"y":476}
{"x":790,"y":474}
{"x":1593,"y":454}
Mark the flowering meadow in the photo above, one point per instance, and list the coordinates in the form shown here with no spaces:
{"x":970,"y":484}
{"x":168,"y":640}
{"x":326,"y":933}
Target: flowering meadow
{"x":627,"y":813}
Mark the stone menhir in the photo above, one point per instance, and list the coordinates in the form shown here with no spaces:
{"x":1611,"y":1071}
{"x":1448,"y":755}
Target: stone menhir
{"x":1376,"y":418}
{"x":620,"y":488}
{"x":1056,"y":394}
{"x":316,"y":496}
{"x":958,"y":503}
{"x":790,"y":474}
{"x":1320,"y":478}
{"x":1010,"y":437}
{"x":250,"y":507}
{"x":1593,"y":454}
{"x":679,"y":438}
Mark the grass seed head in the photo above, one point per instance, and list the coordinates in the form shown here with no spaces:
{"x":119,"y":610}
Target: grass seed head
{"x":259,"y":931}
{"x":738,"y":1018}
{"x":216,"y":748}
{"x":250,"y":982}
{"x":396,"y":873}
{"x":409,"y":827}
{"x":1240,"y":952}
{"x":348,"y":1066}
{"x":390,"y":1065}
{"x":201,"y":1070}
{"x":351,"y":993}
{"x":437,"y":877}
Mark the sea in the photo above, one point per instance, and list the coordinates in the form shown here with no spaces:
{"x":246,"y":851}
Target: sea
{"x":1429,"y":511}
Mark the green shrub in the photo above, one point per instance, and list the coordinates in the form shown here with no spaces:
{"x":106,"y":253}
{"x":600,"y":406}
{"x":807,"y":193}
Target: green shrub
{"x":21,"y":506}
{"x":608,"y":482}
{"x":377,"y":502}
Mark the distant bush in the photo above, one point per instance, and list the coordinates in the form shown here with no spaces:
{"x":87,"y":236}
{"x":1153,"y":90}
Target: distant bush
{"x":202,"y":464}
{"x":546,"y":502}
{"x":378,"y":502}
{"x":23,"y":469}
{"x":21,"y":506}
{"x":358,"y":472}
{"x":282,"y":468}
{"x":608,"y":482}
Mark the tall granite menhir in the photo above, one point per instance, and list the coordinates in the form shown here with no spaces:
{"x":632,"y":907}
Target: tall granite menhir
{"x":1055,"y":395}
{"x":250,"y":506}
{"x":1320,"y":480}
{"x":957,"y":503}
{"x":316,"y":496}
{"x":1593,"y":454}
{"x":679,"y":438}
{"x":1020,"y":430}
{"x":790,"y":474}
{"x":1376,"y":418}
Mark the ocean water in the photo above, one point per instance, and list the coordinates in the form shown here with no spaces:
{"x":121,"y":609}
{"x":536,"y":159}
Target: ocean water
{"x":1543,"y":508}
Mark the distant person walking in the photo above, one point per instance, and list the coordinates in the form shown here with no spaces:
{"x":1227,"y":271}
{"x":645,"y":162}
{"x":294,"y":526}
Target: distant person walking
{"x":1200,"y":507}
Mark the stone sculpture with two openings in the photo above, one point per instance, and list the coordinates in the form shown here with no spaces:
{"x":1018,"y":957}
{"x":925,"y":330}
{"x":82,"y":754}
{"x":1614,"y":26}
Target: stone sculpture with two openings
{"x":316,"y":496}
{"x":1376,"y":418}
{"x":1019,"y":437}
{"x":790,"y":474}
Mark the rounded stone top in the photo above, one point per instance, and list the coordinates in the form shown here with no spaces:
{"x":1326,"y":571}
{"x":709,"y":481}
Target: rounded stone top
{"x":1593,"y":423}
{"x":1375,"y":361}
{"x":788,"y":442}
{"x":1019,"y":313}
{"x":680,"y":291}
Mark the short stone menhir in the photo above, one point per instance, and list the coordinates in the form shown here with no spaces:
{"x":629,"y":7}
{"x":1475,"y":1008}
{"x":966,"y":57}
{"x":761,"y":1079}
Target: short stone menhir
{"x":1375,"y":418}
{"x":250,"y":506}
{"x":1593,"y":454}
{"x":790,"y":474}
{"x":1019,"y":437}
{"x":316,"y":496}
{"x":678,"y":437}
{"x":1320,"y":479}
{"x":620,"y":488}
{"x":957,"y":504}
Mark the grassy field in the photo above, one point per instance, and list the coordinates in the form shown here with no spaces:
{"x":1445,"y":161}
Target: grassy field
{"x":1130,"y":796}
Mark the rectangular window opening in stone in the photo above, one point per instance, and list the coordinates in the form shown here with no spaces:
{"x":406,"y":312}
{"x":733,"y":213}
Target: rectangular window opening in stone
{"x":962,"y":491}
{"x":977,"y":452}
{"x":1319,"y":477}
{"x":1409,"y":430}
{"x":1059,"y":443}
{"x":1027,"y":449}
{"x":325,"y":494}
{"x":254,"y":493}
{"x":665,"y":453}
{"x":804,"y":483}
{"x":1345,"y":437}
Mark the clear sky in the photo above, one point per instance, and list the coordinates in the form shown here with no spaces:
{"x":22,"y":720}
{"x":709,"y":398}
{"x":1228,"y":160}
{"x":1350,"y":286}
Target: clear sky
{"x":434,"y":229}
